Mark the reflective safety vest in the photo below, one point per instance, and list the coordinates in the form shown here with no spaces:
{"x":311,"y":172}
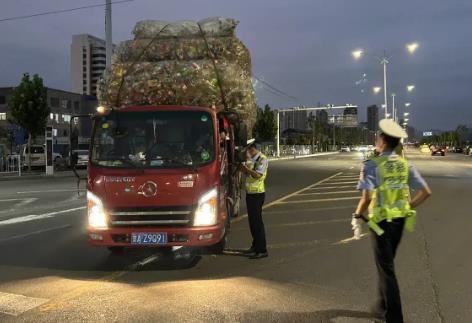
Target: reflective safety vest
{"x":256,"y":185}
{"x":391,"y":199}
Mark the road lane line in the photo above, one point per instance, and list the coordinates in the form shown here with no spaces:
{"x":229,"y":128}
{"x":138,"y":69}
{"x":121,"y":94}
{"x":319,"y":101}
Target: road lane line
{"x":50,"y":191}
{"x":241,"y":217}
{"x":33,"y":217}
{"x":327,"y":193}
{"x":320,"y":200}
{"x":35,"y":233}
{"x":351,"y":239}
{"x":15,"y":304}
{"x":319,"y":209}
{"x":18,"y":205}
{"x":330,"y":187}
{"x":336,"y":183}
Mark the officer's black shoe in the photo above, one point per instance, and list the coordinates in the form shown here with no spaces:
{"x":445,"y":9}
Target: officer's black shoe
{"x":259,"y":255}
{"x":249,"y":251}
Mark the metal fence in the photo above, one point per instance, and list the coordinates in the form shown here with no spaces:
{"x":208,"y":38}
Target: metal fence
{"x":10,"y":165}
{"x":290,"y":150}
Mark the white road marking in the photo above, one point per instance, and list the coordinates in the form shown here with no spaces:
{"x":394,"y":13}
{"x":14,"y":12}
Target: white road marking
{"x":33,"y":217}
{"x":343,"y":182}
{"x":351,"y":239}
{"x":295,"y":224}
{"x":22,"y":203}
{"x":318,"y":209}
{"x":50,"y":191}
{"x":330,"y":187}
{"x":35,"y":233}
{"x":240,"y":218}
{"x":327,"y":193}
{"x":320,"y":200}
{"x":14,"y":304}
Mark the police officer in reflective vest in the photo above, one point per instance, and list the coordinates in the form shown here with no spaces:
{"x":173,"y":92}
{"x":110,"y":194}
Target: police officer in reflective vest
{"x":385,"y":182}
{"x":256,"y":172}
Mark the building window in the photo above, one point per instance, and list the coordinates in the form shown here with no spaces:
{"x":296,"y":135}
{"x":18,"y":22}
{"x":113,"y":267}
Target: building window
{"x":84,"y":89}
{"x":97,"y":68}
{"x":99,"y":55}
{"x":84,"y":69}
{"x":66,"y":118}
{"x":3,"y":116}
{"x":64,"y":103}
{"x":76,"y":106}
{"x":51,"y":116}
{"x":2,"y":99}
{"x":57,"y":117}
{"x":55,"y":102}
{"x":84,"y":56}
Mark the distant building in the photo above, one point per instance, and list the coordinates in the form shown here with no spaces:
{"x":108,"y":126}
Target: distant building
{"x":87,"y":63}
{"x":63,"y":106}
{"x":295,"y":119}
{"x":373,"y":118}
{"x":350,"y":117}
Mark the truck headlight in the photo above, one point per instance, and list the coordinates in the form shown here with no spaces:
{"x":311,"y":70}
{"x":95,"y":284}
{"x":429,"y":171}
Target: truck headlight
{"x":97,"y":217}
{"x":205,"y":215}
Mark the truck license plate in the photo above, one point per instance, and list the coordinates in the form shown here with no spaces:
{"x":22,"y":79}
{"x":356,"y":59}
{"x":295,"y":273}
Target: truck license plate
{"x":149,"y":238}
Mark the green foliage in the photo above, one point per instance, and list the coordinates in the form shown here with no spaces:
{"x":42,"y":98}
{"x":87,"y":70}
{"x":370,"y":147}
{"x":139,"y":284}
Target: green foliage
{"x":265,"y":128}
{"x":28,"y":105}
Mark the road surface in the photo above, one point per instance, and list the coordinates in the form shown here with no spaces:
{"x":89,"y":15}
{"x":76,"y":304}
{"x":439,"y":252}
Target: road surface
{"x":315,"y":271}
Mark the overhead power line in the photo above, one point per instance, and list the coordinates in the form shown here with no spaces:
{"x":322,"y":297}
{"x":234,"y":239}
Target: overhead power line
{"x":60,"y":11}
{"x":274,"y":89}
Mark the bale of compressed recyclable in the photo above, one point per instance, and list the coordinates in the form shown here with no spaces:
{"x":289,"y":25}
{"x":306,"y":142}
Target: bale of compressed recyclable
{"x":187,"y":63}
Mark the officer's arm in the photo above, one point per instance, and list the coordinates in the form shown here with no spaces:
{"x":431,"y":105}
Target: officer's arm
{"x":253,"y":173}
{"x":364,"y":202}
{"x":420,"y":196}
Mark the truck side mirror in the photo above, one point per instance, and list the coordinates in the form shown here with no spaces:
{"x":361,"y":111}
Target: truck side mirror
{"x":241,"y":135}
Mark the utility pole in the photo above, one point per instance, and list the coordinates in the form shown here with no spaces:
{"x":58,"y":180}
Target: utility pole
{"x":108,"y":34}
{"x":384,"y":62}
{"x":277,"y":143}
{"x":394,"y":112}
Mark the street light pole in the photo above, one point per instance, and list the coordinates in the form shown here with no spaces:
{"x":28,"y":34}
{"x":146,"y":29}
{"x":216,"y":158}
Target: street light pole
{"x":394,"y":112}
{"x":277,"y":142}
{"x":108,"y":34}
{"x":384,"y":62}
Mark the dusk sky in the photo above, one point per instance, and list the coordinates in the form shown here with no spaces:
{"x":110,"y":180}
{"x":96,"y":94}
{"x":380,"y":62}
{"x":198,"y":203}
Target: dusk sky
{"x":302,"y":47}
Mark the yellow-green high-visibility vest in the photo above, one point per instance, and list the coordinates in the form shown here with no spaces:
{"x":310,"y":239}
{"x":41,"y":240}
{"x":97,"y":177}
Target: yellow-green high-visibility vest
{"x":256,"y":185}
{"x":391,"y":199}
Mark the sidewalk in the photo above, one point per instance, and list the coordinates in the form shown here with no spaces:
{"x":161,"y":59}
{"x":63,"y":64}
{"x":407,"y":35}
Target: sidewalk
{"x":69,"y":173}
{"x":37,"y":175}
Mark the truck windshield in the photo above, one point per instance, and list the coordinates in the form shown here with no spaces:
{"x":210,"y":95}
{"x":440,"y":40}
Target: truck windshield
{"x":158,"y":139}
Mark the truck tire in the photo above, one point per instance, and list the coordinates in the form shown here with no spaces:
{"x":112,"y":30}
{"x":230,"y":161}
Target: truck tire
{"x":221,"y":245}
{"x":116,"y":250}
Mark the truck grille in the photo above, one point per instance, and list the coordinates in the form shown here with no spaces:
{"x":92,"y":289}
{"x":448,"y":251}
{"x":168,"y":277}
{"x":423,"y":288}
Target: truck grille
{"x":169,"y":216}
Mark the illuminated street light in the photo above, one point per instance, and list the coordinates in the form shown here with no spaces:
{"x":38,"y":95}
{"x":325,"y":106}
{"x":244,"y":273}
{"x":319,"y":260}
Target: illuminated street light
{"x":406,"y":114}
{"x":388,"y":115}
{"x":357,"y":54}
{"x":407,"y":104}
{"x":412,"y":47}
{"x":410,"y":87}
{"x":406,"y":119}
{"x":377,"y":89}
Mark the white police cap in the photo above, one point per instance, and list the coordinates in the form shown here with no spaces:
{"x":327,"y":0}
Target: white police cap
{"x":392,"y":129}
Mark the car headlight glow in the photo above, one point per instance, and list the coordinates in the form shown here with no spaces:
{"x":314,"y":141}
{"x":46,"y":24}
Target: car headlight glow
{"x":97,"y":217}
{"x":205,"y":215}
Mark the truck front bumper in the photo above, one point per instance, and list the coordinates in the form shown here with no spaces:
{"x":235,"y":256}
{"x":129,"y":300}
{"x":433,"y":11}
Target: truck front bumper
{"x":188,"y":236}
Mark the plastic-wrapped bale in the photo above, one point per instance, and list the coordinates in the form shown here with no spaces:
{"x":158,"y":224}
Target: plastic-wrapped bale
{"x":191,"y":83}
{"x":188,"y":49}
{"x":211,"y":27}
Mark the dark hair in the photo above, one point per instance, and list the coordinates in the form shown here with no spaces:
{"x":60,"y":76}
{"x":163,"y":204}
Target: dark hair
{"x":253,"y":145}
{"x":391,"y":142}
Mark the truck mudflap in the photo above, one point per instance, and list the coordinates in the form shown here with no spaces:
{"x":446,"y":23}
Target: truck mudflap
{"x":156,"y":237}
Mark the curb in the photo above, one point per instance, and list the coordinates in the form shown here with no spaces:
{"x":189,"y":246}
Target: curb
{"x":304,"y":156}
{"x":8,"y":178}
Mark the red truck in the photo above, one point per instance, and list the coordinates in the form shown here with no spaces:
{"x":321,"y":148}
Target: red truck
{"x":163,"y":176}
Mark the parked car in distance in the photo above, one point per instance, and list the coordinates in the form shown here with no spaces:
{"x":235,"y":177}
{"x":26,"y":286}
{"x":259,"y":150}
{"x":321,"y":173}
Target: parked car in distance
{"x":38,"y":156}
{"x":82,"y":158}
{"x":438,"y":151}
{"x":458,"y":150}
{"x":345,"y":149}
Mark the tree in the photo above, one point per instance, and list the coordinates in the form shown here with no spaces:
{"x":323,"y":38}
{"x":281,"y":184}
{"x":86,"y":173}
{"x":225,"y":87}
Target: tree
{"x":29,"y":109}
{"x":265,"y":128}
{"x":461,"y":133}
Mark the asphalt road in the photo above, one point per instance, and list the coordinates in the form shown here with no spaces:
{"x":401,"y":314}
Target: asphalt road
{"x":315,"y":271}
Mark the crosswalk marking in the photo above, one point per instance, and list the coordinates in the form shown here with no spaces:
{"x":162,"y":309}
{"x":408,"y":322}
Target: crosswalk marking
{"x":327,"y":193}
{"x":15,"y":304}
{"x":330,"y":187}
{"x":320,"y":200}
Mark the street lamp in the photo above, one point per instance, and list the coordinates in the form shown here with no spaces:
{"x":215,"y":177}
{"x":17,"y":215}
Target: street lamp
{"x":387,"y":116}
{"x":407,"y":104}
{"x":410,"y":87}
{"x":412,"y":47}
{"x":406,"y":114}
{"x":377,"y":89}
{"x":357,"y":54}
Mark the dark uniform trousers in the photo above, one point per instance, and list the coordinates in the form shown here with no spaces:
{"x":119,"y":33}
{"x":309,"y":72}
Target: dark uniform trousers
{"x":254,"y":204}
{"x":385,"y":248}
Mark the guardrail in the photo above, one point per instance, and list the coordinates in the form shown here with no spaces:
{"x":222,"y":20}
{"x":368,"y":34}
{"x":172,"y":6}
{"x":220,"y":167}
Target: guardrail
{"x":10,"y":165}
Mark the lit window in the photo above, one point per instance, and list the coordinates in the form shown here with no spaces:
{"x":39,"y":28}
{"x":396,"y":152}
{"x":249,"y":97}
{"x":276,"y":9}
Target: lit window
{"x":3,"y":116}
{"x":51,"y":116}
{"x":67,"y":118}
{"x":57,"y":117}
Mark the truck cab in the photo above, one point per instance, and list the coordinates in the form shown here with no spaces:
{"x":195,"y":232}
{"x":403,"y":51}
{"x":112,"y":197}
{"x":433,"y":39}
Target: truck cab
{"x":162,"y":176}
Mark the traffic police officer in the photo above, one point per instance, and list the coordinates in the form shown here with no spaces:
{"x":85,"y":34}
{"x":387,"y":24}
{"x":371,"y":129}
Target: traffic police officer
{"x":256,"y":172}
{"x":385,"y":183}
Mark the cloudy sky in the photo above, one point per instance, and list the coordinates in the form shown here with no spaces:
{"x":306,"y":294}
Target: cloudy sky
{"x":300,"y":46}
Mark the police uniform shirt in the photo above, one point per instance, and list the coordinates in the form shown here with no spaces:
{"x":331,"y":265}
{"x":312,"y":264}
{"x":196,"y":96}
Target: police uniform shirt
{"x":369,"y":179}
{"x":261,"y":165}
